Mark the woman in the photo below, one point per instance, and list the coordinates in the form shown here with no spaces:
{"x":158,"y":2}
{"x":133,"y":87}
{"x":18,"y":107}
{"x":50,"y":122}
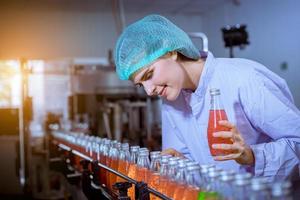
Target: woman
{"x":264,"y":123}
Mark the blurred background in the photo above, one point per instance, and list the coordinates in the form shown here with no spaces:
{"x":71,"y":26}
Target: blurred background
{"x":57,"y":72}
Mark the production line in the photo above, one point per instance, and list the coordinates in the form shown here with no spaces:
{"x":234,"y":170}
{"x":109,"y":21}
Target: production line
{"x":86,"y":162}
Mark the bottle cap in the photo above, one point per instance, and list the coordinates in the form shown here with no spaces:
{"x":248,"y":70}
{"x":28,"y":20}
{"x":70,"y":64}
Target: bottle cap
{"x":214,"y":91}
{"x":282,"y":188}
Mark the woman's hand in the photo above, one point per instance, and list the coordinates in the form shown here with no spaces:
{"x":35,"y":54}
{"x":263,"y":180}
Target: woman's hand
{"x":242,"y":153}
{"x":172,"y":152}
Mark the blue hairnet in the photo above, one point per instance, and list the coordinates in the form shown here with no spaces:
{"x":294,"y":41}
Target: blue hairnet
{"x":144,"y":41}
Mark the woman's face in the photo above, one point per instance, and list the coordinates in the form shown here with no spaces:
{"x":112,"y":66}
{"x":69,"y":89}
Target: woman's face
{"x":163,"y":78}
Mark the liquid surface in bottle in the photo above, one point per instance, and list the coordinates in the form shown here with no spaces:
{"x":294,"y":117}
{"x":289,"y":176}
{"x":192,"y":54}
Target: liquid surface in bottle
{"x":213,"y":126}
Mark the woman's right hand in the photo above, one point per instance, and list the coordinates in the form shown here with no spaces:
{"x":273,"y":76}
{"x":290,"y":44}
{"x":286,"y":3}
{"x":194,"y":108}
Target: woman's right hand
{"x":172,"y":152}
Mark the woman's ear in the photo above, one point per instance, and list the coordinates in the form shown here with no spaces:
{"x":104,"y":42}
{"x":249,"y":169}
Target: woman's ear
{"x":174,"y":55}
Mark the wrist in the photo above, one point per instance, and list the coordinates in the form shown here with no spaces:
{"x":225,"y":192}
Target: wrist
{"x":247,"y":157}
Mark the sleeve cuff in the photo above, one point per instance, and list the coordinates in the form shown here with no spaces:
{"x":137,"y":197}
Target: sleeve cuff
{"x":260,"y":159}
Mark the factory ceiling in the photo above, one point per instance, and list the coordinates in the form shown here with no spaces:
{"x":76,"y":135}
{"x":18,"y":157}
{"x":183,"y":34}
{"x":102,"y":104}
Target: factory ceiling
{"x":186,"y":7}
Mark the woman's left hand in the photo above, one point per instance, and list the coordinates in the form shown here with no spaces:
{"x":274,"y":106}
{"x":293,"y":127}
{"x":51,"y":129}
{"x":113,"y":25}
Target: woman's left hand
{"x":242,"y":153}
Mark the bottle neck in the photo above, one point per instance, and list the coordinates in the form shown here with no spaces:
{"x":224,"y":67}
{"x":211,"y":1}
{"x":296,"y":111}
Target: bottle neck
{"x":193,"y":174}
{"x":164,"y":168}
{"x":181,"y":175}
{"x":133,"y":156}
{"x":216,"y":103}
{"x":143,"y":160}
{"x":172,"y":168}
{"x":155,"y":163}
{"x":124,"y":154}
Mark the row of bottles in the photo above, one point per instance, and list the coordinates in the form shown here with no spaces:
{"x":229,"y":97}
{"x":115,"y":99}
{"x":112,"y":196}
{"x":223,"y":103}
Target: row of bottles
{"x":177,"y":178}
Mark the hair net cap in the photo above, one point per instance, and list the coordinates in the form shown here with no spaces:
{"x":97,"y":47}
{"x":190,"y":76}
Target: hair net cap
{"x":144,"y":41}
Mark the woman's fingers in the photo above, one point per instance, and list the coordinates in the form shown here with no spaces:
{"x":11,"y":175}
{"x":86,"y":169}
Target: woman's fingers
{"x":172,"y":152}
{"x":227,"y":157}
{"x":235,"y":151}
{"x":227,"y":124}
{"x":223,"y":134}
{"x":235,"y":146}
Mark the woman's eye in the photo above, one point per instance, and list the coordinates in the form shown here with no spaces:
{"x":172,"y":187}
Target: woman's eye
{"x":139,"y":85}
{"x":149,"y":75}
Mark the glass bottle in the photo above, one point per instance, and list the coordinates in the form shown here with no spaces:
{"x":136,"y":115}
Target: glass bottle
{"x":216,"y":114}
{"x":134,"y":150}
{"x":172,"y":169}
{"x":191,"y":192}
{"x":143,"y":164}
{"x":204,"y":179}
{"x":241,"y":186}
{"x":163,"y":178}
{"x":113,"y":152}
{"x":154,"y":172}
{"x":225,"y":188}
{"x":123,"y":164}
{"x":213,"y":181}
{"x":259,"y":189}
{"x":114,"y":163}
{"x":281,"y":190}
{"x":104,"y":150}
{"x":180,"y":180}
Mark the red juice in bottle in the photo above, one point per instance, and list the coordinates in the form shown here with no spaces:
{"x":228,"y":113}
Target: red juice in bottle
{"x":216,"y":114}
{"x":179,"y":191}
{"x":123,"y":163}
{"x":123,"y":169}
{"x":114,"y":166}
{"x":171,"y":184}
{"x":102,"y":172}
{"x":132,"y":174}
{"x":153,"y":183}
{"x":108,"y":164}
{"x":163,"y":180}
{"x":142,"y":174}
{"x":191,"y":193}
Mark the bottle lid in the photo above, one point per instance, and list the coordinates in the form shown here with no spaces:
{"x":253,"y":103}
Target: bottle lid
{"x":143,"y":153}
{"x":164,"y":160}
{"x":174,"y":158}
{"x":213,"y":173}
{"x":181,"y":163}
{"x":143,"y":149}
{"x":134,"y":148}
{"x":154,"y":153}
{"x":241,"y":182}
{"x":172,"y":162}
{"x":242,"y":176}
{"x":98,"y":139}
{"x":193,"y":167}
{"x":214,"y":91}
{"x":205,"y":169}
{"x":125,"y":146}
{"x":282,"y":188}
{"x":258,"y":184}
